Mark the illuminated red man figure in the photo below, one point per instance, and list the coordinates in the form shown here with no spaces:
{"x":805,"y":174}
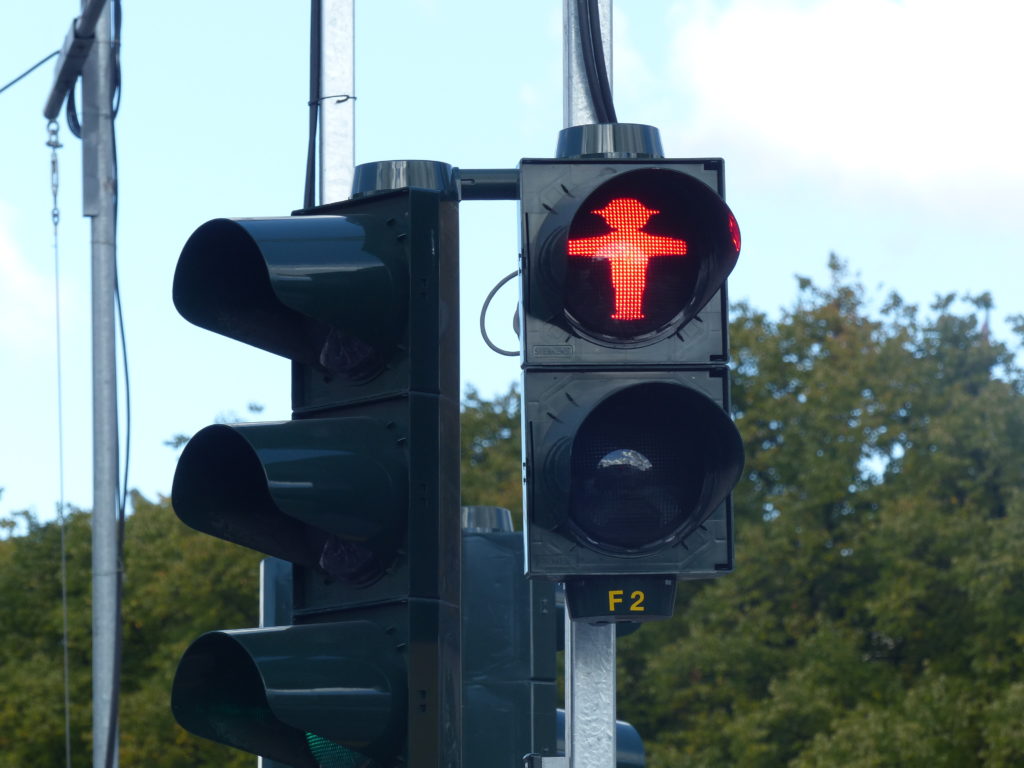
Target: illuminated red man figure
{"x":628,"y":250}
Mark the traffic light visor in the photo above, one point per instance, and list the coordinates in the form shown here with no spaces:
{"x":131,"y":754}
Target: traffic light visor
{"x":327,"y":291}
{"x":325,"y":493}
{"x":277,"y":691}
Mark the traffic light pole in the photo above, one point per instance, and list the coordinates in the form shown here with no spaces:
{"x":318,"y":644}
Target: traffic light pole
{"x":337,"y":101}
{"x":589,"y":648}
{"x":589,"y":694}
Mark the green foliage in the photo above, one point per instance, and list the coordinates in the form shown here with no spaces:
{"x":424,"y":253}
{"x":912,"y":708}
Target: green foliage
{"x":492,"y":465}
{"x":31,"y":650}
{"x":177,"y":584}
{"x":876,"y":616}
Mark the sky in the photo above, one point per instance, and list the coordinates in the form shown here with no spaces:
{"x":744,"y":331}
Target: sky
{"x":885,"y":131}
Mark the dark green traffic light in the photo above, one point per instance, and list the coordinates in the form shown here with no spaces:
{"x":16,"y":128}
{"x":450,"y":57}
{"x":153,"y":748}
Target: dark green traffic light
{"x":358,"y":492}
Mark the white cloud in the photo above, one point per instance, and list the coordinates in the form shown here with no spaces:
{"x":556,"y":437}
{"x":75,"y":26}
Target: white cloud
{"x":920,"y":90}
{"x":26,"y":296}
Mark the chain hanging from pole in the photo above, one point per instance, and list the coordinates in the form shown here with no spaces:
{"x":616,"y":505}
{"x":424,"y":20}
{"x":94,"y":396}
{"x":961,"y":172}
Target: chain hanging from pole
{"x":53,"y":142}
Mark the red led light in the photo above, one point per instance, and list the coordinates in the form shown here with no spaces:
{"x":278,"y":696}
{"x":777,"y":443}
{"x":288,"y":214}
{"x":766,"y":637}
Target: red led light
{"x":734,"y":232}
{"x":628,"y":251}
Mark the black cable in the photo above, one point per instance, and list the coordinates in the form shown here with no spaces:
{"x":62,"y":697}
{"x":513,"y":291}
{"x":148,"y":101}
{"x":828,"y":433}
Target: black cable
{"x":594,"y":63}
{"x":74,"y":124}
{"x":115,"y":684}
{"x":483,"y":315}
{"x":603,"y":73}
{"x":72,"y":113}
{"x":309,"y":196}
{"x":29,"y":71}
{"x":115,"y":74}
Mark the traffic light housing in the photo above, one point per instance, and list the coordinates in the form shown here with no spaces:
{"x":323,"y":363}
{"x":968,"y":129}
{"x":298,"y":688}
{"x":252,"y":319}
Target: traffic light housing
{"x":359,"y":491}
{"x":630,"y":454}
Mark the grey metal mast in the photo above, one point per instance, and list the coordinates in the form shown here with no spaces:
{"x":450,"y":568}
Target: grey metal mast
{"x":589,"y":648}
{"x":337,"y":100}
{"x":87,"y":53}
{"x":99,"y":197}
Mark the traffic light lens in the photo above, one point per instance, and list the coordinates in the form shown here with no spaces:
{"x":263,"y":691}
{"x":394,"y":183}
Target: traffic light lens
{"x":637,"y":478}
{"x":628,"y":251}
{"x":330,"y":755}
{"x":734,"y":232}
{"x":633,"y":256}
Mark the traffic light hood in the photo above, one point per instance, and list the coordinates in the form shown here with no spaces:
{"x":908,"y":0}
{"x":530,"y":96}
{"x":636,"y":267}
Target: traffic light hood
{"x":318,"y":290}
{"x":269,"y":690}
{"x":286,"y":488}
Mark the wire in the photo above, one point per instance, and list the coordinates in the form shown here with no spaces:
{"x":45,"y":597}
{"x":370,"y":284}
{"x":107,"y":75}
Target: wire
{"x":115,"y":107}
{"x":29,"y":71}
{"x":115,"y":44}
{"x":483,"y":314}
{"x":115,"y":681}
{"x":53,"y":142}
{"x":594,"y":63}
{"x":74,"y":125}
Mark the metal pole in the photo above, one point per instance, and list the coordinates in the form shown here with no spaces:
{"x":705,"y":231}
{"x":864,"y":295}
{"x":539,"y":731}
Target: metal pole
{"x":589,"y":649}
{"x":98,"y":203}
{"x":589,"y":694}
{"x":337,"y":100}
{"x":578,"y":107}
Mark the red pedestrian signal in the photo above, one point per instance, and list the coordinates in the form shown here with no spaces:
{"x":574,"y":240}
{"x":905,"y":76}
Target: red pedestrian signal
{"x":628,"y":250}
{"x":629,"y":259}
{"x":630,"y":452}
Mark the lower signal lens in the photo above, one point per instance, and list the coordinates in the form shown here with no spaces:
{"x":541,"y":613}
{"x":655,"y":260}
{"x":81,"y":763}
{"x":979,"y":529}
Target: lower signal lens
{"x":638,"y":480}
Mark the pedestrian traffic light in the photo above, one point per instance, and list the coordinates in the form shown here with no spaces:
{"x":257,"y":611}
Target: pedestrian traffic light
{"x":359,"y":491}
{"x":630,"y":454}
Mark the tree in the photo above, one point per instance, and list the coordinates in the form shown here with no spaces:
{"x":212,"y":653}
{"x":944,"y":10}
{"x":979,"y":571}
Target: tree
{"x":177,"y":584}
{"x":876,"y":615}
{"x":875,"y":618}
{"x":492,"y":465}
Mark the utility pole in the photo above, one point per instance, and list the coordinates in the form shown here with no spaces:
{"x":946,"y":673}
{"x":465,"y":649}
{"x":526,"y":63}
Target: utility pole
{"x":98,"y":203}
{"x":87,"y":53}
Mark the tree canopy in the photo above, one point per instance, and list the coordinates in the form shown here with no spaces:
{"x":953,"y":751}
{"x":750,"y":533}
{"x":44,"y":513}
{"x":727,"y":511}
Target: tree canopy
{"x":875,"y":617}
{"x":876,"y":614}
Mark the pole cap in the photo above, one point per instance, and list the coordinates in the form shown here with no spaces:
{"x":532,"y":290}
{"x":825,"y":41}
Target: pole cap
{"x":386,"y":175}
{"x":609,"y":140}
